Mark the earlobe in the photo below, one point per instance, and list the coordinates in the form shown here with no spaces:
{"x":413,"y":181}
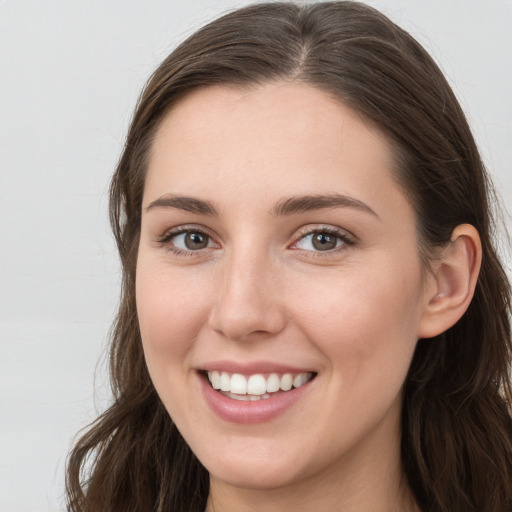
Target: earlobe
{"x":452,"y":282}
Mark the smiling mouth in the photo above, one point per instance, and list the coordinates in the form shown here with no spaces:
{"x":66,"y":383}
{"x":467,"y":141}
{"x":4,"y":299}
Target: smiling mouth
{"x":257,"y":386}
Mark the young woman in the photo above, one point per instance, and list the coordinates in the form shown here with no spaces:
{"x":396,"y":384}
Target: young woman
{"x":313,"y":315}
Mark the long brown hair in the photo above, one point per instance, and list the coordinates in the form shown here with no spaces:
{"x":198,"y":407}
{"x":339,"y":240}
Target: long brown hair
{"x":456,"y":419}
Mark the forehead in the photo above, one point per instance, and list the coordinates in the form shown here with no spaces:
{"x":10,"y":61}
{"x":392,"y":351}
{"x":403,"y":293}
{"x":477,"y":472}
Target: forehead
{"x":286,"y":138}
{"x":291,"y":109}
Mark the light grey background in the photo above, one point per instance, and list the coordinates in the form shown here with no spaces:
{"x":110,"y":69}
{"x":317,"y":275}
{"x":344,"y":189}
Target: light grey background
{"x":70,"y":73}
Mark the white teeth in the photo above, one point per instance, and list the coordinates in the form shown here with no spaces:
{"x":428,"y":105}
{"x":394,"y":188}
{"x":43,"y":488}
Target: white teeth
{"x":273,"y":383}
{"x":255,"y":386}
{"x":238,"y":384}
{"x":242,"y":398}
{"x":300,"y":380}
{"x":247,"y":398}
{"x":225,"y":381}
{"x":286,"y":382}
{"x":214,"y":379}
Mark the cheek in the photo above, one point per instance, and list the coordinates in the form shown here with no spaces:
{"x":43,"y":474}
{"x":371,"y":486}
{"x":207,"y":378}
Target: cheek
{"x":365,"y":323}
{"x":171,"y":312}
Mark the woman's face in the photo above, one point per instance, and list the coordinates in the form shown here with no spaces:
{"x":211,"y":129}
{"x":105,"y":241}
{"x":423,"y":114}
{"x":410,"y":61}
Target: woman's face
{"x":277,"y":250}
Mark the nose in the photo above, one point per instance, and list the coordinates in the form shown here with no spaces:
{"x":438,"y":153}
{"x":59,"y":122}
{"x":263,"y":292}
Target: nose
{"x":249,"y":301}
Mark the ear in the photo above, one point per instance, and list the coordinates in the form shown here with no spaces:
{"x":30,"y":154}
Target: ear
{"x":452,"y":281}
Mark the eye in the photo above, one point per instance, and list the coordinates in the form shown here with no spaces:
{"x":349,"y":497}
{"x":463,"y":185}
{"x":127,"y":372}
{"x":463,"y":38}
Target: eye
{"x":322,"y":240}
{"x":191,"y":241}
{"x":187,"y":240}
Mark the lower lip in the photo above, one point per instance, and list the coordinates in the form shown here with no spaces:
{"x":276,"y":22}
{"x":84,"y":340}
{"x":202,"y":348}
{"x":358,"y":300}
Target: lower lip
{"x":247,"y":412}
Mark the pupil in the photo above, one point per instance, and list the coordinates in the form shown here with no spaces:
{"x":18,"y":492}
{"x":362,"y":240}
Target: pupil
{"x":196,"y":241}
{"x":324,"y":241}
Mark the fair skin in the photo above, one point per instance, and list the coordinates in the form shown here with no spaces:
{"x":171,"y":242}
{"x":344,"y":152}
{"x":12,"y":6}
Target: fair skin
{"x":274,"y":240}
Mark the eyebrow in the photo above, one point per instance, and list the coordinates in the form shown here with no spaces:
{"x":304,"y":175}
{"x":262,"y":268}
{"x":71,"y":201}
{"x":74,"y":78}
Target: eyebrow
{"x":188,"y":204}
{"x":287,"y":206}
{"x":302,"y":204}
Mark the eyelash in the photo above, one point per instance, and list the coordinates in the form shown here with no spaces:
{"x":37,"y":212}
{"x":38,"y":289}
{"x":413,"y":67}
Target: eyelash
{"x":166,"y":239}
{"x":347,"y":241}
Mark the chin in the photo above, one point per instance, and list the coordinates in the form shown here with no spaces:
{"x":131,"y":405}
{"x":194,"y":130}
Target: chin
{"x":254,"y":477}
{"x":263,"y":467}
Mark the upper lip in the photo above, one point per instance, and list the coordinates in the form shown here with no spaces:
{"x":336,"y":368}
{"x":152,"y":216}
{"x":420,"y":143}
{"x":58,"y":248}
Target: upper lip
{"x":251,"y":368}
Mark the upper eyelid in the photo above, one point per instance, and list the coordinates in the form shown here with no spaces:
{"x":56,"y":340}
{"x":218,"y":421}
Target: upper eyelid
{"x":349,"y":240}
{"x":328,"y":228}
{"x":185,"y":228}
{"x":297,"y":235}
{"x":164,"y":240}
